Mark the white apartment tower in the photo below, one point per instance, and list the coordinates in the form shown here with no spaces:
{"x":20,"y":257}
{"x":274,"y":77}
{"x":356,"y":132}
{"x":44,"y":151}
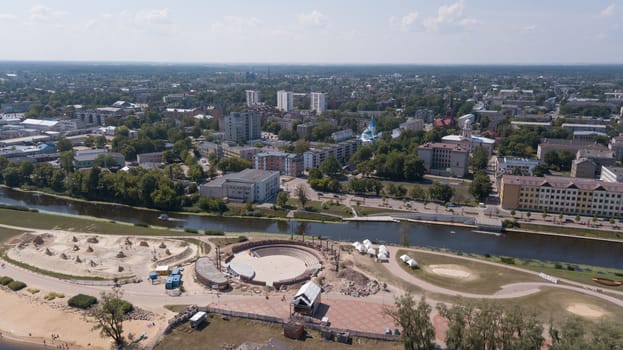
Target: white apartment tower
{"x":253,"y":98}
{"x":284,"y":101}
{"x":318,"y":102}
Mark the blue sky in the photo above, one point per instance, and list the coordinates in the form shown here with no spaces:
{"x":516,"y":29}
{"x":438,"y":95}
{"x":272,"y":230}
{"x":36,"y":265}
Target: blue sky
{"x":337,"y":31}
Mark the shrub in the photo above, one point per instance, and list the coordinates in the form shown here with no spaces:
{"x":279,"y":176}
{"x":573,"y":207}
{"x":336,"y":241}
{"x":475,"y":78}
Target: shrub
{"x":509,"y":261}
{"x":126,"y":306}
{"x":570,"y":268}
{"x":242,"y":239}
{"x":33,"y":290}
{"x":214,"y":233}
{"x":190,"y":230}
{"x":82,"y":301}
{"x":140,"y":224}
{"x":558,"y":266}
{"x":5,"y":280}
{"x":54,"y":295}
{"x":16,"y":285}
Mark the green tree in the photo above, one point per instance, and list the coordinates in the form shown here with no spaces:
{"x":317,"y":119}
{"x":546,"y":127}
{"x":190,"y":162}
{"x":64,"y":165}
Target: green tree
{"x":67,"y":161}
{"x":418,"y":332}
{"x":63,"y":145}
{"x":481,"y":186}
{"x":330,"y":166}
{"x":413,"y":168}
{"x":301,"y":194}
{"x":109,"y":316}
{"x":440,"y":192}
{"x":417,"y":192}
{"x":282,"y":199}
{"x":479,"y":159}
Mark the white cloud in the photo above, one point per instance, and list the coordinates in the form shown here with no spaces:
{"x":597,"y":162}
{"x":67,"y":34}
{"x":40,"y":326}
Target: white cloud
{"x":153,"y":16}
{"x":314,"y":18}
{"x":234,"y":24}
{"x":408,"y":20}
{"x":40,"y":13}
{"x":529,"y":28}
{"x":448,"y":16}
{"x":7,"y":17}
{"x":609,"y":10}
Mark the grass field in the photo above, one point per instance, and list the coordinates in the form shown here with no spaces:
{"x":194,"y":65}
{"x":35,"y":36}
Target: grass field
{"x":365,"y":211}
{"x":607,"y":232}
{"x":219,"y":334}
{"x":6,"y":233}
{"x":487,"y":279}
{"x":70,"y":223}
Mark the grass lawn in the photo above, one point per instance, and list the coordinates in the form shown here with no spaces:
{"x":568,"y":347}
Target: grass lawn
{"x":484,"y":278}
{"x":235,"y":331}
{"x":6,"y":233}
{"x":315,"y":216}
{"x":49,"y":221}
{"x":607,"y":232}
{"x":365,"y":211}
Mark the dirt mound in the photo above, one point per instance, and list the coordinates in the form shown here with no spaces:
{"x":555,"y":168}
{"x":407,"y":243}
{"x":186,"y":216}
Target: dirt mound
{"x":357,"y":277}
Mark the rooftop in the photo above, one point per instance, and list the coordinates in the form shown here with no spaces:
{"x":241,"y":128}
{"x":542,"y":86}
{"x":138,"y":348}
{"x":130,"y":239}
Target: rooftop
{"x":561,"y":182}
{"x":451,"y":146}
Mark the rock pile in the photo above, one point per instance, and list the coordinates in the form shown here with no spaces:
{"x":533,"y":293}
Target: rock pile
{"x":183,"y":316}
{"x":352,"y":289}
{"x":92,"y":240}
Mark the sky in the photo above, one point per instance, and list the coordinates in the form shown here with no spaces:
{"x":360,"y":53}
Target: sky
{"x":314,"y":32}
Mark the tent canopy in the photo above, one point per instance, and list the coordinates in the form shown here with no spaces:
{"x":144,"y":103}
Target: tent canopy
{"x":405,"y":257}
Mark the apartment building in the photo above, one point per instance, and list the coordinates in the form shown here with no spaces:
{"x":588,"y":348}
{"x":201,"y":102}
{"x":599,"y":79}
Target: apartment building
{"x":318,"y":102}
{"x":288,"y":164}
{"x":242,"y":126}
{"x":341,"y":151}
{"x":557,"y":194}
{"x":560,"y":145}
{"x":253,"y":97}
{"x":285,"y":101}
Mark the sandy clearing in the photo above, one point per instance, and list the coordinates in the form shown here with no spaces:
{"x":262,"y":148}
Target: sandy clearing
{"x":586,"y":310}
{"x":272,"y":268}
{"x":450,"y":270}
{"x":29,"y":318}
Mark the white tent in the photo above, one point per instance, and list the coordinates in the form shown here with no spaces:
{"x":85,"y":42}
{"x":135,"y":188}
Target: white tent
{"x":382,"y":257}
{"x":361,"y":249}
{"x":382,"y":248}
{"x":367,"y":243}
{"x":371,"y":251}
{"x":356,"y":244}
{"x":405,"y":258}
{"x":412,"y":263}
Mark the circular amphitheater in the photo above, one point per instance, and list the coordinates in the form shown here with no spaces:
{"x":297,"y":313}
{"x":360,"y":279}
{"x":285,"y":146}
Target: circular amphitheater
{"x":274,"y":264}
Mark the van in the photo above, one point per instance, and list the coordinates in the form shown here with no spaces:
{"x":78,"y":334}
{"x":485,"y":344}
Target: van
{"x":481,"y":205}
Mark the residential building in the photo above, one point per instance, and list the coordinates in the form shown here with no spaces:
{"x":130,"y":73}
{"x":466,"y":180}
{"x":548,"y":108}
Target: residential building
{"x":318,"y":102}
{"x":240,"y":152}
{"x":248,"y":185}
{"x":304,"y":130}
{"x":584,"y":127}
{"x":341,"y":151}
{"x":412,"y":124}
{"x":288,"y":164}
{"x":242,"y":126}
{"x":444,"y":159}
{"x":253,"y":98}
{"x":86,"y":159}
{"x":342,"y":135}
{"x":616,"y":146}
{"x":469,"y":141}
{"x":427,"y":115}
{"x":588,"y":162}
{"x":519,"y":124}
{"x":285,"y":101}
{"x":588,"y":136}
{"x":514,"y":166}
{"x":560,"y":145}
{"x":611,"y":174}
{"x":144,"y":158}
{"x":557,"y":194}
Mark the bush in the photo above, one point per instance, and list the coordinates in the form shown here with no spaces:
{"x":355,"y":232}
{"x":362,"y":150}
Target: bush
{"x":126,"y":306}
{"x":558,"y":266}
{"x":16,"y":285}
{"x":33,"y":290}
{"x":570,"y":268}
{"x":82,"y":301}
{"x":5,"y":280}
{"x":242,"y":239}
{"x":509,"y":261}
{"x":54,"y":295}
{"x":140,"y":224}
{"x":214,"y":233}
{"x":190,"y":230}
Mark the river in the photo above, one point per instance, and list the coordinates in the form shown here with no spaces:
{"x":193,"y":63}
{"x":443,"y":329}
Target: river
{"x":521,"y":245}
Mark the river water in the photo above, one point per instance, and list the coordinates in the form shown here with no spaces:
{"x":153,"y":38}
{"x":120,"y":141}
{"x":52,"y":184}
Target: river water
{"x":521,"y":245}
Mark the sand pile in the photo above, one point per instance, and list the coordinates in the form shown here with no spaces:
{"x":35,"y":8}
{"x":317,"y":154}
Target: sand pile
{"x":452,"y":271}
{"x":586,"y":310}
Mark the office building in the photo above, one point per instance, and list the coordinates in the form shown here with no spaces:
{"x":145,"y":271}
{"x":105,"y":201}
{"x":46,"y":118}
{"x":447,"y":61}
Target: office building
{"x":341,"y":151}
{"x":444,"y":159}
{"x":242,"y":126}
{"x":557,"y":194}
{"x":248,"y":185}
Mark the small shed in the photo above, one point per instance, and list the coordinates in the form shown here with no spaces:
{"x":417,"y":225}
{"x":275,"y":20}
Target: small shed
{"x":169,"y":283}
{"x":412,"y":263}
{"x":176,"y":271}
{"x":162,"y":270}
{"x":176,"y":280}
{"x":153,"y":276}
{"x":307,"y":299}
{"x":198,"y":319}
